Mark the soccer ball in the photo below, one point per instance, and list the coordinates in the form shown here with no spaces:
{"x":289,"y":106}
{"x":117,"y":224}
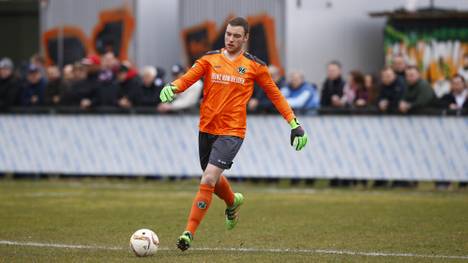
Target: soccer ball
{"x":144,"y":242}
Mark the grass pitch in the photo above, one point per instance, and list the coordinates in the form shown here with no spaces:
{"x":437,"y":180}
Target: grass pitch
{"x":318,"y":224}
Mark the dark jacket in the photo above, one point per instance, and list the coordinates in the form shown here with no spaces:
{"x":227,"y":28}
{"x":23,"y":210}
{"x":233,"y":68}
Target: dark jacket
{"x":54,"y":88}
{"x":419,"y":95}
{"x":10,"y":90}
{"x":107,"y":90}
{"x":401,"y":78}
{"x":150,"y":94}
{"x":83,"y":89}
{"x":131,"y":88}
{"x":330,"y":88}
{"x":448,"y":99}
{"x":29,"y":90}
{"x":393,"y":93}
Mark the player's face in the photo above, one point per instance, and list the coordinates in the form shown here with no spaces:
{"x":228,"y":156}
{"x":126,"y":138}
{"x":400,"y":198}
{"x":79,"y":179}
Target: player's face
{"x":234,"y":38}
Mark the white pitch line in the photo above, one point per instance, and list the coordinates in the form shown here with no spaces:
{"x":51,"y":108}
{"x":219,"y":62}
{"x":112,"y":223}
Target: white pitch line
{"x":246,"y":250}
{"x":36,"y":244}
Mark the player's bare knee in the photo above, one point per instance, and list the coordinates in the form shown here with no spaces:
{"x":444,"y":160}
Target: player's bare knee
{"x":211,"y":175}
{"x":209,"y":179}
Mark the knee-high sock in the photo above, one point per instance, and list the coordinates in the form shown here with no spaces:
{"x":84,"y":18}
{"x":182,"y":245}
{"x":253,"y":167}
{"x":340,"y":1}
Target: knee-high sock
{"x":200,"y":205}
{"x":223,"y":190}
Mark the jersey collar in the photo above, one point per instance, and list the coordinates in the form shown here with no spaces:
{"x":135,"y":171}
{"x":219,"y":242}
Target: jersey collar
{"x":241,"y":54}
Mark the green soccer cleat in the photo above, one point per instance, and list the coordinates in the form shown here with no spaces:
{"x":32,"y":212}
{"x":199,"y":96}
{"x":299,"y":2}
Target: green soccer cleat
{"x":232,"y":213}
{"x":184,"y":241}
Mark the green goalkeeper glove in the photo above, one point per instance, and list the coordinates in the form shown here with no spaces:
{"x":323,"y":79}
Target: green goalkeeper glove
{"x":298,"y":135}
{"x":167,"y":93}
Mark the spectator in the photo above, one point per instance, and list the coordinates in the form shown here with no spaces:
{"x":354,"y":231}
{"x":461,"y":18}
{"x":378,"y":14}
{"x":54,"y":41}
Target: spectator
{"x":354,"y":91}
{"x":259,"y":101}
{"x":391,"y":91}
{"x":33,"y":90}
{"x":129,"y":93}
{"x":332,"y":89}
{"x":84,"y":90}
{"x":418,"y":93}
{"x":371,"y":88}
{"x":161,"y":75}
{"x":399,"y":67}
{"x":457,"y":98}
{"x":439,"y":76}
{"x":108,"y":86}
{"x":79,"y":72}
{"x":109,"y":67}
{"x":301,"y":96}
{"x":151,"y":87}
{"x":39,"y":61}
{"x":184,"y":101}
{"x":55,"y":87}
{"x":68,"y":75}
{"x":463,"y":71}
{"x":9,"y":84}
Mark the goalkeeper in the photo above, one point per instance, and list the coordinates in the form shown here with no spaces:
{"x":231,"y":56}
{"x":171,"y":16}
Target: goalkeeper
{"x":229,"y":76}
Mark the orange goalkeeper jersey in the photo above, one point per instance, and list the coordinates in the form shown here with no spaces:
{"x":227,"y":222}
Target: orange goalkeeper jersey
{"x":228,"y":86}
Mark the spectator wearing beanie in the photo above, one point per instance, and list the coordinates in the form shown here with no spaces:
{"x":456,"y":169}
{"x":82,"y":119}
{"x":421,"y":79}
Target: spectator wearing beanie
{"x":33,"y":91}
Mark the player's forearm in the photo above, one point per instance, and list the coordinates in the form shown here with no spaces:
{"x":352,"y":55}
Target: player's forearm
{"x":190,"y":77}
{"x":278,"y":100}
{"x":281,"y":104}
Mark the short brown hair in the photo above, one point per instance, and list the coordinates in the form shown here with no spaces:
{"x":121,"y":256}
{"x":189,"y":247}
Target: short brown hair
{"x":389,"y":68}
{"x":458,"y":76}
{"x":240,"y":21}
{"x":335,"y":62}
{"x":411,"y":67}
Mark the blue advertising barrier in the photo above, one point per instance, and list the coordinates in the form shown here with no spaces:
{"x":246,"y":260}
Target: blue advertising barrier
{"x":360,"y":147}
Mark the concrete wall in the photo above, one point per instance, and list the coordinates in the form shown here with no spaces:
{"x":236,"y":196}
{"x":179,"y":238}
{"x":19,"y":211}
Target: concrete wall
{"x":157,"y":33}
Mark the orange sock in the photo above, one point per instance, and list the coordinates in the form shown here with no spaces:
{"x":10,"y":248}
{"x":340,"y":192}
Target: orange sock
{"x":200,"y":205}
{"x":223,"y":190}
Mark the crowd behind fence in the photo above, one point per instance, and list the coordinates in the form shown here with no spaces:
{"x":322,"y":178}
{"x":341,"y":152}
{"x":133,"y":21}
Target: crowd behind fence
{"x":105,"y":84}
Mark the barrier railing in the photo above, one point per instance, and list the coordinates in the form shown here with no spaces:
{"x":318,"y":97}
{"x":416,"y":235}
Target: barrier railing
{"x":341,"y":146}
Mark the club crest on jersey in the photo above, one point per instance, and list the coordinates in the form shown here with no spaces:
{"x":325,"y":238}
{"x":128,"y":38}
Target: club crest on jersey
{"x":201,"y":205}
{"x":241,"y":70}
